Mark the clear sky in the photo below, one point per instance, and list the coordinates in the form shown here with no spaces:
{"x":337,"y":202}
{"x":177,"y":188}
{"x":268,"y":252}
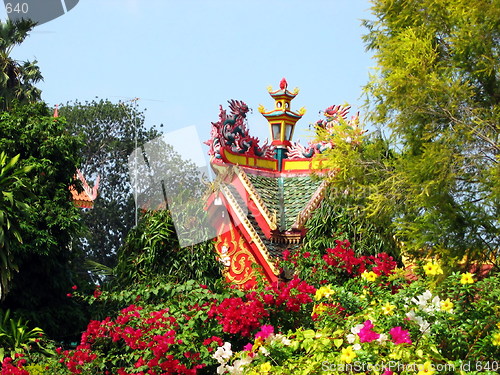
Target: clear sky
{"x":184,"y":58}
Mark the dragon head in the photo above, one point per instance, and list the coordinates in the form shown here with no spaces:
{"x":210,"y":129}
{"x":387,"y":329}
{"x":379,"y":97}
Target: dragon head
{"x":238,"y":107}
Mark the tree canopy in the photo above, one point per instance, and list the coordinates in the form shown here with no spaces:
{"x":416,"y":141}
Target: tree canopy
{"x":436,"y":92}
{"x":111,"y":132}
{"x":17,"y":79}
{"x":50,"y":220}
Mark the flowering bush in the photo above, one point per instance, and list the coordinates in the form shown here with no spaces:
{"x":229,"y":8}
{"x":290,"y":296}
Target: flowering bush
{"x":423,"y":327}
{"x":337,"y":265}
{"x":374,"y":320}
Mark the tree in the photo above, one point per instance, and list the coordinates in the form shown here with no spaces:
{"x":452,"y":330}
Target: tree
{"x":17,"y":79}
{"x":45,"y":256}
{"x":152,"y":250}
{"x":12,"y":206}
{"x":437,"y":90}
{"x":110,"y":132}
{"x":357,"y":162}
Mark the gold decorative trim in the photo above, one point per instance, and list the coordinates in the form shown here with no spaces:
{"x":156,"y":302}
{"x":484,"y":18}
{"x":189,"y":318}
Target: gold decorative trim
{"x":249,"y":228}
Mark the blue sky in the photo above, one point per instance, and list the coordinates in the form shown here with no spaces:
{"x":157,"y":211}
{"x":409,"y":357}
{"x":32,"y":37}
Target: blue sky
{"x":184,"y":58}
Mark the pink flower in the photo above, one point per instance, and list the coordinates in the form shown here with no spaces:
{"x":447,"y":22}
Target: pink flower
{"x":265,"y":332}
{"x":387,"y":372}
{"x":400,"y":336}
{"x":366,"y":334}
{"x":248,"y":347}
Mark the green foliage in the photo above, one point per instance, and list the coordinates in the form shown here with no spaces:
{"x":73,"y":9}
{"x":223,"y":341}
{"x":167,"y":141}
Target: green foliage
{"x":358,"y":163}
{"x":17,"y":79}
{"x":44,"y":144}
{"x":108,"y":131}
{"x":17,"y":338}
{"x":152,"y":249}
{"x":12,"y":207}
{"x":436,"y":91}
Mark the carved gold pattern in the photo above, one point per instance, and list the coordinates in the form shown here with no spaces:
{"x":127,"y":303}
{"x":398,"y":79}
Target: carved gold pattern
{"x":239,"y":270}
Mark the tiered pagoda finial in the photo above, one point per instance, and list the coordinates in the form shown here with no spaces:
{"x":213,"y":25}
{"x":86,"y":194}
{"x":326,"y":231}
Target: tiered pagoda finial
{"x":282,"y":119}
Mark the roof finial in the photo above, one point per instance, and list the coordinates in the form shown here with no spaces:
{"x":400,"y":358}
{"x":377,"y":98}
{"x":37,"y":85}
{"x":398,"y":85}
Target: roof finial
{"x":283,"y":84}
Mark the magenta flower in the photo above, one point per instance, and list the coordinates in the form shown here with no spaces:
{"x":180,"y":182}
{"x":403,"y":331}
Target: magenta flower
{"x":400,"y":336}
{"x":265,"y":332}
{"x":366,"y":334}
{"x":248,"y":347}
{"x":387,"y":372}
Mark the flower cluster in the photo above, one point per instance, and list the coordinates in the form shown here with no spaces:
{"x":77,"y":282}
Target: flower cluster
{"x":342,"y":256}
{"x":243,"y":315}
{"x":238,"y":315}
{"x":289,"y":295}
{"x":14,"y":366}
{"x":152,"y":336}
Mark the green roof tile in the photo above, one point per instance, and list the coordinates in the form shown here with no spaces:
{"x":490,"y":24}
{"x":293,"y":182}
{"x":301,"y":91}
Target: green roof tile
{"x":287,"y":196}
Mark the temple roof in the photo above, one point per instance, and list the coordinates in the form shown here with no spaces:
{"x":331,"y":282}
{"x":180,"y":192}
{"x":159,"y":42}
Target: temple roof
{"x":85,"y":198}
{"x":286,"y":196}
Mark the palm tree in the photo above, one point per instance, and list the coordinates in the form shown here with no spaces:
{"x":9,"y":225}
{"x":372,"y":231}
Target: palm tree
{"x":17,"y":78}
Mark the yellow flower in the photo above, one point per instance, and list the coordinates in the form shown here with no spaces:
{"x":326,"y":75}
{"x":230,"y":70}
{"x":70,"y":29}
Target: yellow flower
{"x":426,"y":369}
{"x":369,"y":276}
{"x":432,"y":269}
{"x":467,"y":278}
{"x":319,"y":309}
{"x":498,"y":325}
{"x":324,"y":291}
{"x":446,"y":305}
{"x":387,"y":309}
{"x":265,"y":367}
{"x":496,"y":339}
{"x":347,"y":355}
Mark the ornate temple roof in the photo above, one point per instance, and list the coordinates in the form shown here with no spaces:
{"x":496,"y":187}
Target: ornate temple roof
{"x":85,"y":198}
{"x":269,"y":190}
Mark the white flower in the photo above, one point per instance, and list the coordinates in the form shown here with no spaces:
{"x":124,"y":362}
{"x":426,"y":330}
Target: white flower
{"x":223,"y":353}
{"x":264,"y":351}
{"x":351,"y":338}
{"x":435,"y":304}
{"x":356,"y":347}
{"x":283,"y":339}
{"x":382,"y":338}
{"x":422,"y":323}
{"x":356,"y":329}
{"x":424,"y":326}
{"x":238,"y":366}
{"x":422,"y":299}
{"x":427,"y":295}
